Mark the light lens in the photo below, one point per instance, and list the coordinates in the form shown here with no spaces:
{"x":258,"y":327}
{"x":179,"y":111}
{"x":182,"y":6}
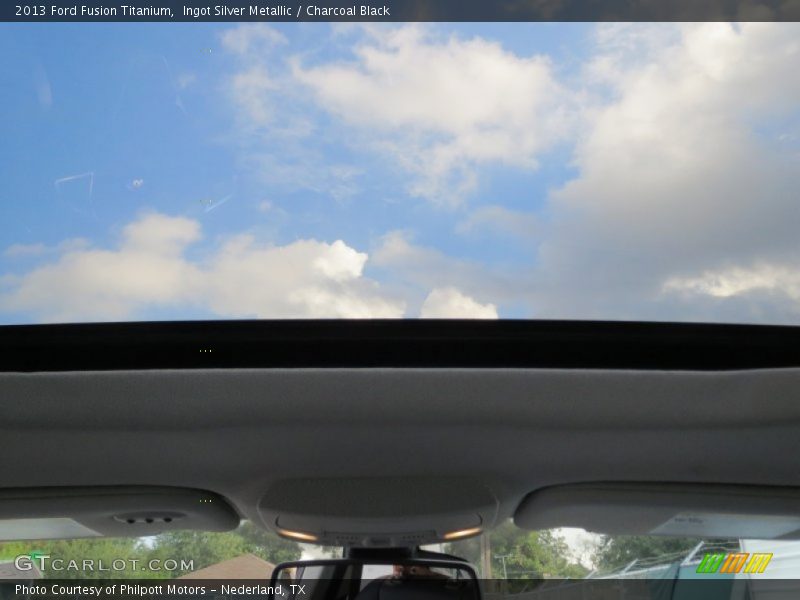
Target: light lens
{"x":462,"y":533}
{"x":297,"y":535}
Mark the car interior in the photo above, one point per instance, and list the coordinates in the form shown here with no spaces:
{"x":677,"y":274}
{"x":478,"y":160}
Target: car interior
{"x":394,"y":455}
{"x":400,"y":299}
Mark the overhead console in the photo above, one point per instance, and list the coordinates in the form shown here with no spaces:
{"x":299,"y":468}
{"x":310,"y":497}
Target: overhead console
{"x":66,"y":512}
{"x":378,"y":512}
{"x":702,"y":511}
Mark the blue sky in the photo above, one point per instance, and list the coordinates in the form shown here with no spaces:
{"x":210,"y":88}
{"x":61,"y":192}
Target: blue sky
{"x":153,"y":171}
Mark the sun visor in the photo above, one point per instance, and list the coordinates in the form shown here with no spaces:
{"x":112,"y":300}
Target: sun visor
{"x":707,"y":511}
{"x":53,"y":513}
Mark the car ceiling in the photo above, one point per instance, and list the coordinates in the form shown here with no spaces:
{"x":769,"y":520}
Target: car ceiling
{"x":385,"y":454}
{"x":240,"y":433}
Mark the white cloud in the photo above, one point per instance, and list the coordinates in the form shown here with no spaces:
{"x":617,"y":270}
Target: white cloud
{"x":740,"y":281}
{"x":341,"y":262}
{"x":306,"y":278}
{"x":251,"y":38}
{"x":94,"y":284}
{"x":252,"y":82}
{"x":250,"y":89}
{"x":277,"y":130}
{"x":441,"y":107}
{"x":423,"y":266}
{"x":184,"y":80}
{"x":241,"y":278}
{"x":676,"y":175}
{"x":294,"y":169}
{"x":498,"y":219}
{"x":417,"y":269}
{"x":24,"y":250}
{"x":160,"y":235}
{"x":683,"y":182}
{"x":681,"y":188}
{"x":449,"y":303}
{"x":44,"y":92}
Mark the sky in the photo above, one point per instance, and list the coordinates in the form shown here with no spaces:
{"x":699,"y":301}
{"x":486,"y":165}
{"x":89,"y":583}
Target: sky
{"x":311,"y":170}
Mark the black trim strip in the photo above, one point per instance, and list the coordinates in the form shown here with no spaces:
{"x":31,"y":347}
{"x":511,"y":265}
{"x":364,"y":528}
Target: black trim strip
{"x":397,"y":343}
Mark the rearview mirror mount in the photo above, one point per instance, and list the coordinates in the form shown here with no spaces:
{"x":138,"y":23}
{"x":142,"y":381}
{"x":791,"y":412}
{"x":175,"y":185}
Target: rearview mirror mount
{"x":372,"y":575}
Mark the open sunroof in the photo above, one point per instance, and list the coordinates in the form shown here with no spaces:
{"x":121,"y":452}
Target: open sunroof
{"x":265,"y":170}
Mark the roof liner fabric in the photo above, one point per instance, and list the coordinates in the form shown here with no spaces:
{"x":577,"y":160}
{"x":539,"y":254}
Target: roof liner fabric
{"x":237,"y":432}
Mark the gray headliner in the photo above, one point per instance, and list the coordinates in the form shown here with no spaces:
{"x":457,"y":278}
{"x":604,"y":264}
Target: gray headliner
{"x":239,"y":432}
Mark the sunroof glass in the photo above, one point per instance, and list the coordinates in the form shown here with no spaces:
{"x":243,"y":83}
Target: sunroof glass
{"x":478,"y":170}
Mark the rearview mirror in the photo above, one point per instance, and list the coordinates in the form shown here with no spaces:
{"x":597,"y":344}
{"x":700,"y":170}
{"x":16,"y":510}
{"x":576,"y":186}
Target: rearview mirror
{"x":371,"y":579}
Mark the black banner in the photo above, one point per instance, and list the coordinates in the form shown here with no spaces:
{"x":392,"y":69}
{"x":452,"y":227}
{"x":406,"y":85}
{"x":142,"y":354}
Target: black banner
{"x":715,"y":587}
{"x":399,"y":10}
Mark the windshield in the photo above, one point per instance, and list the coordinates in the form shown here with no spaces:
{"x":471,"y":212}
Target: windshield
{"x":178,"y":171}
{"x":506,"y":553}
